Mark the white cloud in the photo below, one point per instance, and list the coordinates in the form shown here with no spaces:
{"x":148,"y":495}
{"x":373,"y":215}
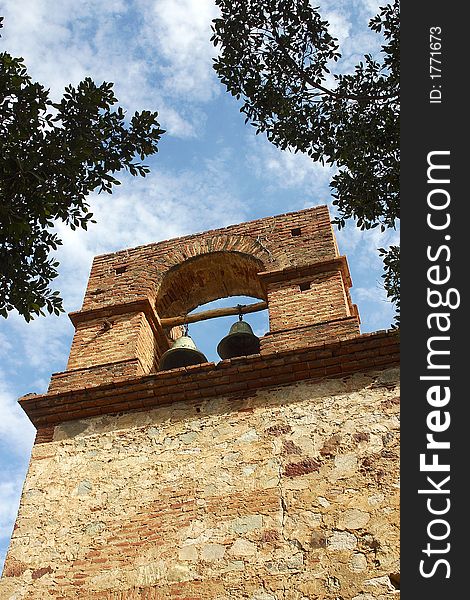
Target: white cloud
{"x":180,"y":31}
{"x":374,"y":307}
{"x":16,"y":431}
{"x":42,"y":344}
{"x":16,"y":440}
{"x":50,"y":37}
{"x":349,"y":24}
{"x":361,"y":249}
{"x":10,"y":491}
{"x":369,"y":8}
{"x":366,"y":268}
{"x":352,"y":239}
{"x":5,"y":346}
{"x":164,"y":205}
{"x":284,"y":169}
{"x":339,"y":25}
{"x":371,"y":294}
{"x":114,"y":41}
{"x":8,"y":505}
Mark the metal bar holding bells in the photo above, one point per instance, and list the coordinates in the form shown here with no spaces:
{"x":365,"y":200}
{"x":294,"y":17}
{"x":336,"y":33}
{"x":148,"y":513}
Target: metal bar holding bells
{"x":211,"y":314}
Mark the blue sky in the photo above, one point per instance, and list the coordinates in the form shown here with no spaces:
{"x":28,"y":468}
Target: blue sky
{"x":211,"y":171}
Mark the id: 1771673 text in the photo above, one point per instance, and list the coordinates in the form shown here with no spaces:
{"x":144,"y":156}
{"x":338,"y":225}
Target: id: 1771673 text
{"x":435,"y":64}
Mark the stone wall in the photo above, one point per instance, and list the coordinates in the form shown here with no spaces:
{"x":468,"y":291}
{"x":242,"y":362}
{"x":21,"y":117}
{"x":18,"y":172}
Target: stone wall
{"x":265,"y":477}
{"x":289,"y":492}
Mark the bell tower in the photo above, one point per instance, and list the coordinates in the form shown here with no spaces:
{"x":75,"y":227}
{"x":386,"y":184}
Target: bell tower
{"x":271,"y":474}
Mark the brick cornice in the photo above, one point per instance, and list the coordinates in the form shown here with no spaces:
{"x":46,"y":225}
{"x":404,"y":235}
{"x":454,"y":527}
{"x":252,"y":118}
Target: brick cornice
{"x":340,"y":263}
{"x":105,"y":312}
{"x":238,"y":376}
{"x":142,"y":305}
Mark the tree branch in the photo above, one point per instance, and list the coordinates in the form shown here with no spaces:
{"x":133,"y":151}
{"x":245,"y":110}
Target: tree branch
{"x":307,"y":80}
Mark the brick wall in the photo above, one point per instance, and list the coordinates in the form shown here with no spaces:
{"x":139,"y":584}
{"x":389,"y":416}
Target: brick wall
{"x":104,"y":340}
{"x":310,"y":335}
{"x":290,"y":260}
{"x":136,"y":273}
{"x":90,"y":377}
{"x":309,"y":300}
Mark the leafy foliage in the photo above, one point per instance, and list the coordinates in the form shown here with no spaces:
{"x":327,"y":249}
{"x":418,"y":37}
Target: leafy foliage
{"x":392,"y":277}
{"x":275,"y":55}
{"x":52,"y":156}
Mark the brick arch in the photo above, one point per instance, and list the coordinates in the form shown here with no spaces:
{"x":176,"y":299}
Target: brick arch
{"x":218,"y":243}
{"x":208,"y":276}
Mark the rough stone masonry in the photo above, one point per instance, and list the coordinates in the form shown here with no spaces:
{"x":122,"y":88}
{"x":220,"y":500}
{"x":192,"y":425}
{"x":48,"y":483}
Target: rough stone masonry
{"x":268,"y":477}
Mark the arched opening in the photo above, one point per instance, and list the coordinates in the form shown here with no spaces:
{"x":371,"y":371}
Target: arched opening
{"x":207,"y":277}
{"x":206,"y":282}
{"x":207,"y":334}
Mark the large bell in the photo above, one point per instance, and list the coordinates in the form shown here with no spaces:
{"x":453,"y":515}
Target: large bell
{"x":240,"y":341}
{"x":182,"y":354}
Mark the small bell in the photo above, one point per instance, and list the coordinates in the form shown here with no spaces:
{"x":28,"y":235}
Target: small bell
{"x":240,"y":341}
{"x":182,"y":354}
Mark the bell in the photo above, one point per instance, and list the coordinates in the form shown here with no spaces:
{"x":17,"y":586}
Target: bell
{"x":182,"y":354}
{"x":240,"y":341}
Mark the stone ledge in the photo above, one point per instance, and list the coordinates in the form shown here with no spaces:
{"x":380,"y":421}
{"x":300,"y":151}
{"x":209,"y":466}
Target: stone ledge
{"x":243,"y":375}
